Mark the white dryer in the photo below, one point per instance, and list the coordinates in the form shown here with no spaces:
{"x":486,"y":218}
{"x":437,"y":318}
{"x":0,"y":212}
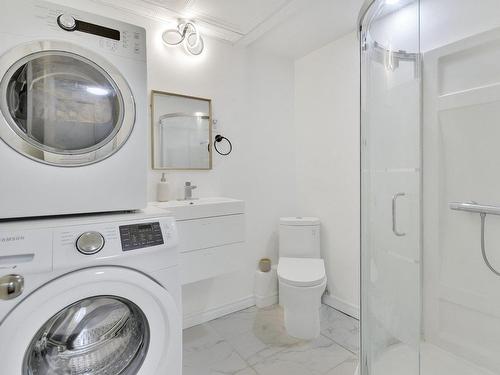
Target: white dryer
{"x":73,"y":112}
{"x":90,"y":295}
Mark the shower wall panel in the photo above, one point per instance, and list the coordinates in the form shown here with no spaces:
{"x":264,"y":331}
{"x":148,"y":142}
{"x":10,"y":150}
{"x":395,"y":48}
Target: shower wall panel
{"x":461,"y":90}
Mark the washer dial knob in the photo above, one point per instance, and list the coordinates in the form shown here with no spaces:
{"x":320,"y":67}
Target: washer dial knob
{"x":90,"y":243}
{"x":66,"y":22}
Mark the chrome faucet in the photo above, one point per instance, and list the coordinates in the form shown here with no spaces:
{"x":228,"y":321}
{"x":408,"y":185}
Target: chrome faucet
{"x":188,"y":191}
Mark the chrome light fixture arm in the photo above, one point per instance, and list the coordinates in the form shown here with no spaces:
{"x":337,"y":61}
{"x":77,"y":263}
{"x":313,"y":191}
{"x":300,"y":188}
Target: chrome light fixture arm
{"x":187,"y":33}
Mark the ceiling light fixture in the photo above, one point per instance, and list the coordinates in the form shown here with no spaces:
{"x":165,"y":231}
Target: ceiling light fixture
{"x":188,"y":34}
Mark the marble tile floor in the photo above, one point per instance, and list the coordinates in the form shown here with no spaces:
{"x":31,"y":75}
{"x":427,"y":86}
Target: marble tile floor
{"x":254,"y":342}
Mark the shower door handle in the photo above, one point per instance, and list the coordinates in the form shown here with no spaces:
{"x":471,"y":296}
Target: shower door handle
{"x":394,"y":211}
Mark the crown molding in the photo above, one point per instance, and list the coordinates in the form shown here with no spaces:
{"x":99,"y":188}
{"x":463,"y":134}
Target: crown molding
{"x":210,"y":26}
{"x":286,"y":11}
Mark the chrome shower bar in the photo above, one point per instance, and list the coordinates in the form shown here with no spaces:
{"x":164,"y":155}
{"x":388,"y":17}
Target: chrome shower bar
{"x":482,"y":210}
{"x":475,"y":207}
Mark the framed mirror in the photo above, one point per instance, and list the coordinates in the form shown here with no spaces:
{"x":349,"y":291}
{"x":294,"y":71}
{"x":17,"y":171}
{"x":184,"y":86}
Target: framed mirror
{"x":181,"y":131}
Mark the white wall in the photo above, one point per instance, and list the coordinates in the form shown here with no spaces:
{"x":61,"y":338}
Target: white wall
{"x":445,"y":21}
{"x":327,"y":127}
{"x":252,"y":97}
{"x":258,"y":118}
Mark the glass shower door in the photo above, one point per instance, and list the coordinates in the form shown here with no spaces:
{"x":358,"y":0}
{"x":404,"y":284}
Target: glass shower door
{"x":391,"y":189}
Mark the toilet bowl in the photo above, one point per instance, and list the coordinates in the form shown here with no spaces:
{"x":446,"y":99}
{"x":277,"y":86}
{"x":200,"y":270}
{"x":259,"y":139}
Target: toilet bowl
{"x":301,"y":275}
{"x":302,"y":282}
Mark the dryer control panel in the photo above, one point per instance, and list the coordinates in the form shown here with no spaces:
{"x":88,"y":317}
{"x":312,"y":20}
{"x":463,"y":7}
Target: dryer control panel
{"x":50,"y":21}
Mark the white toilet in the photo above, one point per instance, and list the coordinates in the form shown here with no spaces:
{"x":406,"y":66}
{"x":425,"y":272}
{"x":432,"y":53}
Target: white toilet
{"x":301,"y":275}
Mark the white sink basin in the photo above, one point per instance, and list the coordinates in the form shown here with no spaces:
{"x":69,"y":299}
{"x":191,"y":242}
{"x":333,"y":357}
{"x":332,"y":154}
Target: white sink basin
{"x":202,"y":207}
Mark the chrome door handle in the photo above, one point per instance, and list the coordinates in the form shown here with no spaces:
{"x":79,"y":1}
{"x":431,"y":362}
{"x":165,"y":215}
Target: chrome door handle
{"x":394,"y":225}
{"x":11,"y":286}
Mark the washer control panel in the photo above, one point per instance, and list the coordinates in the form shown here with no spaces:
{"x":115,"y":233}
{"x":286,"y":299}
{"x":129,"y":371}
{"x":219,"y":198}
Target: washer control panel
{"x":66,"y":22}
{"x":138,"y":236}
{"x":89,"y":243}
{"x":143,"y":239}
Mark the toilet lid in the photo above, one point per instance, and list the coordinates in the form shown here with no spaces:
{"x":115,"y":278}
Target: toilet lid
{"x":301,"y":271}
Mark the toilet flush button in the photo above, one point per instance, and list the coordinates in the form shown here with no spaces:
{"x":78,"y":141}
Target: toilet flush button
{"x":66,"y":22}
{"x":90,"y":243}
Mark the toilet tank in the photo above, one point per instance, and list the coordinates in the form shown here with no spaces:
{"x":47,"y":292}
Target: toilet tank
{"x":299,"y":237}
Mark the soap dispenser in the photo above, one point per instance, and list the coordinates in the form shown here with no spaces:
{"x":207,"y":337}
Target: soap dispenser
{"x":163,"y":189}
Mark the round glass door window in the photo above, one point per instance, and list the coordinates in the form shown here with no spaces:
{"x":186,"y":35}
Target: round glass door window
{"x":64,"y":109}
{"x":96,"y":336}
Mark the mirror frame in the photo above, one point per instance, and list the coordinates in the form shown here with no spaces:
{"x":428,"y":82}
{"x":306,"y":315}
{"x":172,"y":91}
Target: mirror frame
{"x":153,"y":143}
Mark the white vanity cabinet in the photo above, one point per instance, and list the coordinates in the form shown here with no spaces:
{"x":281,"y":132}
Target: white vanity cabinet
{"x":211,"y":236}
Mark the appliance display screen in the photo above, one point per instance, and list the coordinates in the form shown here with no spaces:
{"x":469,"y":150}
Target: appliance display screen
{"x":139,"y":236}
{"x":90,"y":28}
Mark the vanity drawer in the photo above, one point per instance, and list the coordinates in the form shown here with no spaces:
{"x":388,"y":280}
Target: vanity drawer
{"x":205,"y":264}
{"x":210,"y":232}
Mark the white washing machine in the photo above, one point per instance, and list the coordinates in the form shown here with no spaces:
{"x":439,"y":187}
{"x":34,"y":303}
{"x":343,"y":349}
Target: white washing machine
{"x":90,"y":295}
{"x":73,"y":112}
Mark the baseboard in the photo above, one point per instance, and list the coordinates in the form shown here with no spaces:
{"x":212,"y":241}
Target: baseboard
{"x":193,"y":319}
{"x":341,"y":305}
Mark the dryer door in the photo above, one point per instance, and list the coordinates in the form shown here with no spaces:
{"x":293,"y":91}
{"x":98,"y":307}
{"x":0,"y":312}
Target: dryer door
{"x":106,"y":320}
{"x":62,"y":104}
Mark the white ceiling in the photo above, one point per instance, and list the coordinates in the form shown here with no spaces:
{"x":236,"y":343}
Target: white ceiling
{"x":314,"y":25}
{"x":291,"y":28}
{"x":240,"y":16}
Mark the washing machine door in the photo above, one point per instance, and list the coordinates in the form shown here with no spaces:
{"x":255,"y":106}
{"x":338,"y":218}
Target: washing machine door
{"x":98,"y":321}
{"x":62,"y":104}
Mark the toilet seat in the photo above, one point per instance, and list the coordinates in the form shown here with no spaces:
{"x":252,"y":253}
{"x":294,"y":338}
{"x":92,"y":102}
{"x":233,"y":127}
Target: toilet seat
{"x":301,"y":272}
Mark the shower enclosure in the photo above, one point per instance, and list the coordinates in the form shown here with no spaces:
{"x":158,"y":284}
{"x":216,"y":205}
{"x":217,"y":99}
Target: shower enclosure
{"x":430,"y":130}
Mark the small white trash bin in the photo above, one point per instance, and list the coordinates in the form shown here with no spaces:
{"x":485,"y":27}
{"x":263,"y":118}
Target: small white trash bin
{"x":266,"y":288}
